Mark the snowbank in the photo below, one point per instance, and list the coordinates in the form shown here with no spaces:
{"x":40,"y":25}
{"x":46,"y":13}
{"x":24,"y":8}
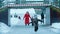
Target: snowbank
{"x":56,"y":27}
{"x":39,"y":17}
{"x":4,"y":28}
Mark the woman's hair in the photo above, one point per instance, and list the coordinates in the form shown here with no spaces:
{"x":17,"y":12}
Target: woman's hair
{"x":27,"y":12}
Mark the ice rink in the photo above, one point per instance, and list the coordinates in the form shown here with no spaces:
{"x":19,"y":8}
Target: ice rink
{"x":17,"y":25}
{"x":30,"y":30}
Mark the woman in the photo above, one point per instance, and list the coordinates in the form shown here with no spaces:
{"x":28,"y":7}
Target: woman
{"x":27,"y":16}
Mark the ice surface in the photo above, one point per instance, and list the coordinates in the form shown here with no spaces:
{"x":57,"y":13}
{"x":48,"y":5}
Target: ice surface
{"x":29,"y":30}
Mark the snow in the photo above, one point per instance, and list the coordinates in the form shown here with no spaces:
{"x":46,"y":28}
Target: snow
{"x":55,"y":30}
{"x":39,"y":17}
{"x":29,"y":30}
{"x":20,"y":12}
{"x":56,"y":27}
{"x":14,"y":21}
{"x":4,"y":28}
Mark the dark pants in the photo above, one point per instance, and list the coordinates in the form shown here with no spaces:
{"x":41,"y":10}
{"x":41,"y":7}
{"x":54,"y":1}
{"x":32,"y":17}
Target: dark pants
{"x":32,"y":23}
{"x":36,"y":27}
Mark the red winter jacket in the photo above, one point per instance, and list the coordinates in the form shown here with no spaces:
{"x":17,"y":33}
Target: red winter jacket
{"x":26,"y":16}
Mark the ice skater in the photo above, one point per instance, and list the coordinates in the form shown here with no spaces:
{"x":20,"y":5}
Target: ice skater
{"x":42,"y":18}
{"x":19,"y":17}
{"x":35,"y":22}
{"x":27,"y":16}
{"x":15,"y":15}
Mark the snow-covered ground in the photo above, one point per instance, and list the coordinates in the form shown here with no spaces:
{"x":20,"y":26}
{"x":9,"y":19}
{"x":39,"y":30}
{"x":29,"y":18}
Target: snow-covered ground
{"x":4,"y":28}
{"x":29,"y":30}
{"x":55,"y":27}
